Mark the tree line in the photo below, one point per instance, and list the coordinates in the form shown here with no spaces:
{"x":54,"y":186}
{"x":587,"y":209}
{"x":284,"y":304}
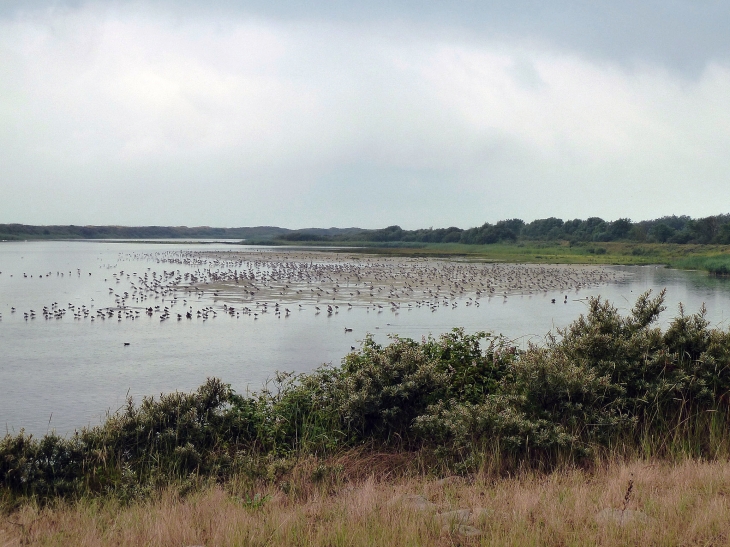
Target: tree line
{"x":667,"y":229}
{"x":255,"y":233}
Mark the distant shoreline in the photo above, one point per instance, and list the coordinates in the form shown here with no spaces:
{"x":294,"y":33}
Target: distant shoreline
{"x":711,"y":258}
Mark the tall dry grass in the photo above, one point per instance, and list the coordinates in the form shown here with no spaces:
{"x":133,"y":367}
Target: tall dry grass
{"x":686,"y":502}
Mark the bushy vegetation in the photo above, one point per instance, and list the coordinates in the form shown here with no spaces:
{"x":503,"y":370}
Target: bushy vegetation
{"x":607,"y":384}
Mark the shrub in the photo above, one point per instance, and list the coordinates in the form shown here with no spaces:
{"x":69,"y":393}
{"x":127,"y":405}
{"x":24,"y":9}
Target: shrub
{"x":606,"y":382}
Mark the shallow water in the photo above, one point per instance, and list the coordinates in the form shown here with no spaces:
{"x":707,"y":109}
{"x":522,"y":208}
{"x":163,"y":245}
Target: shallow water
{"x":66,"y":373}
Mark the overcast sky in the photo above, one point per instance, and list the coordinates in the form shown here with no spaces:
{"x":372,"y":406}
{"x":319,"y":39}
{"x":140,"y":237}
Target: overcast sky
{"x":335,"y":113}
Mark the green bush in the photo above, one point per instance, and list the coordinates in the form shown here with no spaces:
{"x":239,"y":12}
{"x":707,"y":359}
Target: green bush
{"x":606,"y":382}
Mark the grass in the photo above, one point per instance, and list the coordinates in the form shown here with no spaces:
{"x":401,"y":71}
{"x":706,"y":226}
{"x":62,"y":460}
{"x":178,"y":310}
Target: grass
{"x":686,"y":503}
{"x":716,"y":264}
{"x":689,"y":256}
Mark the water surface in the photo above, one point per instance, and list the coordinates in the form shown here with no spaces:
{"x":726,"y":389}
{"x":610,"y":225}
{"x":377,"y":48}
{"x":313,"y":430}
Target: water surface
{"x":66,"y":373}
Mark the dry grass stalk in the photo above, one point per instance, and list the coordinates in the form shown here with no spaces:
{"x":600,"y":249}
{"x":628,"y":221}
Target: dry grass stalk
{"x":627,"y":496}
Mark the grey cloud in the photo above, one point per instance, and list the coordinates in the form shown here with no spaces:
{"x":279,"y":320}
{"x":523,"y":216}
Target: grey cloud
{"x":683,"y":35}
{"x":360,"y":114}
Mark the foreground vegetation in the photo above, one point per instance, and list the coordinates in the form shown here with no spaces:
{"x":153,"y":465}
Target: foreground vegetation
{"x":611,"y":414}
{"x":684,"y":504}
{"x":606,"y":387}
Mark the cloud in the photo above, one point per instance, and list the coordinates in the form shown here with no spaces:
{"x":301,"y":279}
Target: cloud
{"x":683,"y":35}
{"x":240,"y":118}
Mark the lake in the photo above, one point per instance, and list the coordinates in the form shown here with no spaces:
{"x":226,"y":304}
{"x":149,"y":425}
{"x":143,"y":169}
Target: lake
{"x":84,"y":324}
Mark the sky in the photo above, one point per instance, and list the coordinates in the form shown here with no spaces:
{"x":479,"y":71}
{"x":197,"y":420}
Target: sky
{"x":335,"y":113}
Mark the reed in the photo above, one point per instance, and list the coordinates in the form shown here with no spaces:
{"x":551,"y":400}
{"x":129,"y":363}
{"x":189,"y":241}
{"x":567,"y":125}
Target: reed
{"x":716,"y":263}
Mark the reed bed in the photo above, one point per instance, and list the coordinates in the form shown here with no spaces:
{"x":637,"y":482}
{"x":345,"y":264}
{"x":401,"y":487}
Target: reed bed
{"x":716,"y":263}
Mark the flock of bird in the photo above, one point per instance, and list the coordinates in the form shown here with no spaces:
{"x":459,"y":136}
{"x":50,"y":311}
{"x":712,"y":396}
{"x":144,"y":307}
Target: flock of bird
{"x":188,"y":285}
{"x":372,"y":282}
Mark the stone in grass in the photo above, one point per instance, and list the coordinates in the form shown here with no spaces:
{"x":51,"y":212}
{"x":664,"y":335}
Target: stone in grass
{"x":478,"y":513}
{"x":458,"y":521}
{"x":465,"y":530}
{"x":460,"y":516}
{"x":448,"y":481}
{"x":413,"y":501}
{"x":622,"y":518}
